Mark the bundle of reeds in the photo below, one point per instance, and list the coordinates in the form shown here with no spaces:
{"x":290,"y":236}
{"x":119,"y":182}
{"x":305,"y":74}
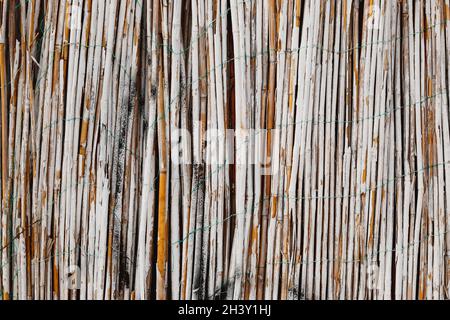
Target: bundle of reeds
{"x":240,"y":149}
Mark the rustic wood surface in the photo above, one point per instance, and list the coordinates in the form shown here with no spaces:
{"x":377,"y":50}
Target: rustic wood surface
{"x":212,"y":149}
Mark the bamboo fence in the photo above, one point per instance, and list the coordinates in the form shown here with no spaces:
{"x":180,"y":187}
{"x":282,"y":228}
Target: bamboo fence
{"x":225,"y":149}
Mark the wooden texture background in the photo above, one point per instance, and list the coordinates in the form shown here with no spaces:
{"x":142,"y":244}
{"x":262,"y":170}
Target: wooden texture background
{"x":207,"y":149}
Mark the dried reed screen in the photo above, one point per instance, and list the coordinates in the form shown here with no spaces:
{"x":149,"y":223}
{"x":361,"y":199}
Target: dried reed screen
{"x":210,"y":149}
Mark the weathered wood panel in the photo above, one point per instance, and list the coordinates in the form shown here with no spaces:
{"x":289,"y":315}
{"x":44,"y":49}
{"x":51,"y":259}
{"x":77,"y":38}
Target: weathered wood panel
{"x":241,"y":149}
